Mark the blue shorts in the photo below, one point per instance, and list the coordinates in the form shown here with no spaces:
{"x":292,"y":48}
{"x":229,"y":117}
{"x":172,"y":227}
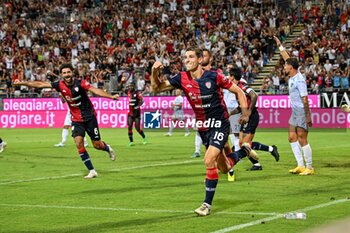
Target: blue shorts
{"x":216,"y":137}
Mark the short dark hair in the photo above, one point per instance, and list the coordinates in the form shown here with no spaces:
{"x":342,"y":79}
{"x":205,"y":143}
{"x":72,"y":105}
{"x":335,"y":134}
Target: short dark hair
{"x":208,"y":51}
{"x":293,"y":62}
{"x":198,"y":51}
{"x":66,"y":65}
{"x":236,"y":72}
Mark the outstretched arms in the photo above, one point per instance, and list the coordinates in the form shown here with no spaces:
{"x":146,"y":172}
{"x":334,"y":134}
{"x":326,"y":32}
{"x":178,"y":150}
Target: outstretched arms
{"x":102,"y":93}
{"x":35,"y":84}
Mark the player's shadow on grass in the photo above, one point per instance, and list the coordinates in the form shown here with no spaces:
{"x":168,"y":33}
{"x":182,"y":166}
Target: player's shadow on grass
{"x":126,"y":225}
{"x":136,"y":188}
{"x":334,"y":165}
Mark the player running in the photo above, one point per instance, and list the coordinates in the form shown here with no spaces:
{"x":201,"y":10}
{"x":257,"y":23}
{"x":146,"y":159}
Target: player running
{"x":74,"y":92}
{"x":203,"y":89}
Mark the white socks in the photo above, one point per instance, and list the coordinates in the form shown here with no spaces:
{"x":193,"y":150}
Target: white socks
{"x":197,"y":143}
{"x":64,"y":135}
{"x":297,"y":153}
{"x":270,"y":148}
{"x":235,"y":142}
{"x":307,"y":155}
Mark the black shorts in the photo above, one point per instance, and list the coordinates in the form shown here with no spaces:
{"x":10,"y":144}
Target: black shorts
{"x":250,"y":127}
{"x":90,"y":127}
{"x":133,"y":118}
{"x":216,"y":137}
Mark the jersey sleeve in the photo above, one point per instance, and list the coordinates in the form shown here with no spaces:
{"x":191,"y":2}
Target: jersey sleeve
{"x":56,"y":85}
{"x":302,"y":88}
{"x":85,"y":85}
{"x":223,"y":82}
{"x":175,"y":81}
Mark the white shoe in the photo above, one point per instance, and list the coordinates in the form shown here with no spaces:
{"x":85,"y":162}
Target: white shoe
{"x":86,"y":144}
{"x":111,"y":153}
{"x":2,"y":146}
{"x":92,"y":174}
{"x":59,"y":144}
{"x":187,"y":134}
{"x":203,"y":210}
{"x":168,"y":134}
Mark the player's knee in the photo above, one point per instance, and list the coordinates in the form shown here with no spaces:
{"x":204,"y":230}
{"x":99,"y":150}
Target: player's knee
{"x":209,"y":162}
{"x":303,"y":142}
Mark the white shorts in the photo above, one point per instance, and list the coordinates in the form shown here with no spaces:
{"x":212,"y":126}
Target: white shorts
{"x":178,"y":115}
{"x":68,"y":119}
{"x":298,"y":119}
{"x":234,"y":123}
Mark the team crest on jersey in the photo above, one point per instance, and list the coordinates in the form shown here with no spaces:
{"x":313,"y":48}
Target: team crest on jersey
{"x":208,"y":85}
{"x":76,"y":89}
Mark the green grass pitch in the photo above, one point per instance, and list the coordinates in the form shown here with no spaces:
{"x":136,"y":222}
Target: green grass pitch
{"x":156,"y":187}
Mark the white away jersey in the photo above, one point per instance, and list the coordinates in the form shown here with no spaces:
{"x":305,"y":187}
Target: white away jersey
{"x":297,"y":90}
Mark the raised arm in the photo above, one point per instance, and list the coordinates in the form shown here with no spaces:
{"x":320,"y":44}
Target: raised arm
{"x":102,"y":93}
{"x":35,"y":84}
{"x":156,"y":85}
{"x":282,"y":49}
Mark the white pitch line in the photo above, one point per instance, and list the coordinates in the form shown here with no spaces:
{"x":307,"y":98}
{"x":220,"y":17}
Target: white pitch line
{"x":112,"y":170}
{"x":268,"y":219}
{"x":123,"y":209}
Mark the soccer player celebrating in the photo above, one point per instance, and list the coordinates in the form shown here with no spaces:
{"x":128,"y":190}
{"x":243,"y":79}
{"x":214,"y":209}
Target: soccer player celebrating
{"x":134,"y":115}
{"x":300,"y":120}
{"x":203,"y":90}
{"x":74,"y":92}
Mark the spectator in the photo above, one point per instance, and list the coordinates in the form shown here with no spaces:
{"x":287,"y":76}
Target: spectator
{"x":276,"y":82}
{"x":344,"y":80}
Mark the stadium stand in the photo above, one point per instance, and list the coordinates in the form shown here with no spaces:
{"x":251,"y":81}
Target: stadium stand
{"x":115,"y":42}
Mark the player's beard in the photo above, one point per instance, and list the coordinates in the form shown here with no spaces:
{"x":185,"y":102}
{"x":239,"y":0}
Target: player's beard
{"x":205,"y":63}
{"x":68,"y":80}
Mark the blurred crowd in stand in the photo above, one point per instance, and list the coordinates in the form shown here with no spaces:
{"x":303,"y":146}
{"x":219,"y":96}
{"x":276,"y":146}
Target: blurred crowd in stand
{"x":112,"y":43}
{"x":323,"y":49}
